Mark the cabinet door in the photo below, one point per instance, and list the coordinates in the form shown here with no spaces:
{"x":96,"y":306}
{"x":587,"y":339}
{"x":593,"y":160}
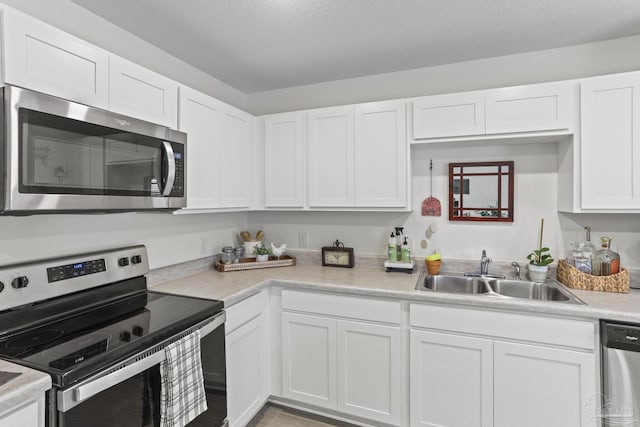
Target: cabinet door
{"x":141,"y":93}
{"x":330,"y":139}
{"x":540,"y":386}
{"x":444,"y":116}
{"x":201,"y":118}
{"x":610,"y":142}
{"x":28,"y":415}
{"x":284,"y":161}
{"x":451,"y":380}
{"x":234,"y":158}
{"x":380,"y":155}
{"x":309,"y":359}
{"x":369,"y":371}
{"x":545,"y":107}
{"x":247,"y":371}
{"x":40,"y":57}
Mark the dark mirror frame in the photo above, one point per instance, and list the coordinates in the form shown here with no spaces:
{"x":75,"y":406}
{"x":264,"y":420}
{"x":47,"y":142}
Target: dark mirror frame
{"x":462,"y":176}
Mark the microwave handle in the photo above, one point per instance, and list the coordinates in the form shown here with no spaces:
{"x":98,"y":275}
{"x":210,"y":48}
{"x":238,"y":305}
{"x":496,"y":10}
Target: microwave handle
{"x":171,"y":168}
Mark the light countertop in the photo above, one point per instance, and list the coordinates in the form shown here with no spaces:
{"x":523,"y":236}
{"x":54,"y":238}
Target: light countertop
{"x":373,"y":281}
{"x":19,"y":390}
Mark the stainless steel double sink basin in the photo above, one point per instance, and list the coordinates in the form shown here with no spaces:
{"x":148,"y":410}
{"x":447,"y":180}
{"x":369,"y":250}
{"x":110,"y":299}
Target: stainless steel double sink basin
{"x":496,"y":287}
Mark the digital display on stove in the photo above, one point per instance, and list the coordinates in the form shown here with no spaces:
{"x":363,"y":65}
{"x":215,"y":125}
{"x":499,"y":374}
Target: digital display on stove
{"x":69,"y":271}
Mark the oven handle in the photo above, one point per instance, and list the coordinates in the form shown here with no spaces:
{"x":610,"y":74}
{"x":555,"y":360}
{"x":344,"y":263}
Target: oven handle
{"x":171,"y":168}
{"x":73,"y":396}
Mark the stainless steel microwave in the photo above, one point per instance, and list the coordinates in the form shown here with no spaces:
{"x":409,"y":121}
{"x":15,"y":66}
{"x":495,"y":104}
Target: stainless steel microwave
{"x":58,"y":156}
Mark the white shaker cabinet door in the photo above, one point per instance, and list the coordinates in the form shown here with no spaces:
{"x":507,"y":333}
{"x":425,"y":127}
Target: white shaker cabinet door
{"x":543,"y":107}
{"x":541,"y":386}
{"x":380,"y":155}
{"x":610,"y":142}
{"x":284,"y":161}
{"x":234,"y":159}
{"x":31,"y":415}
{"x":201,"y":119}
{"x":331,"y":157}
{"x":442,"y":116}
{"x":247,"y":371}
{"x":40,"y":57}
{"x":141,"y":93}
{"x":370,"y":371}
{"x":309,"y":359}
{"x":451,"y":380}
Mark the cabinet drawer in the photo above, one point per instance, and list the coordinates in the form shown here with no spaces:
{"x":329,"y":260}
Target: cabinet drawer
{"x":245,"y":311}
{"x":342,"y":306}
{"x":549,"y":330}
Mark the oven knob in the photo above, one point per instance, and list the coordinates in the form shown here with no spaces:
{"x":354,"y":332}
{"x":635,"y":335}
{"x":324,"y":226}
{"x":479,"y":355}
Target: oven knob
{"x":20,"y":282}
{"x":138,"y":331}
{"x":136,"y":259}
{"x":125,"y":336}
{"x":1,"y":286}
{"x":123,"y":262}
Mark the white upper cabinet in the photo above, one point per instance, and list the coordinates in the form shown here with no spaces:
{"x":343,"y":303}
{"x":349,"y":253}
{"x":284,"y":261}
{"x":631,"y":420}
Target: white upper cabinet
{"x":284,"y":160}
{"x":236,"y":152}
{"x":610,"y":142}
{"x":380,"y":155}
{"x":442,"y":116}
{"x":138,"y":92}
{"x":530,"y":108}
{"x":40,"y":57}
{"x":331,"y":157}
{"x":219,"y":148}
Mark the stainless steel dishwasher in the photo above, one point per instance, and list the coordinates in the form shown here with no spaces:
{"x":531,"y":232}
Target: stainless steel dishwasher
{"x":620,"y":374}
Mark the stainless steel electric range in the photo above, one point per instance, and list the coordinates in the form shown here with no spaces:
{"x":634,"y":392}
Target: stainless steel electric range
{"x":90,"y":322}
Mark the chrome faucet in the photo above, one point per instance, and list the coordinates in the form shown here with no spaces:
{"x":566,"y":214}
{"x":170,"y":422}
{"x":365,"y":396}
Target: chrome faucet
{"x":516,"y":270}
{"x":484,"y":263}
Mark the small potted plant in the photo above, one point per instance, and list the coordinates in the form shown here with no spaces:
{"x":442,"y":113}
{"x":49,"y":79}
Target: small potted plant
{"x":261,"y":253}
{"x":539,"y":260}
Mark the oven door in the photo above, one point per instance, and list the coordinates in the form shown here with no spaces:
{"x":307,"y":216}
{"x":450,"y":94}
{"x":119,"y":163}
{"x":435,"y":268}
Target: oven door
{"x":67,"y":156}
{"x":130,"y":396}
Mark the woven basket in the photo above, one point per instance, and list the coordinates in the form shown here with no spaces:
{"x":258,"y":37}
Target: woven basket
{"x":576,"y":279}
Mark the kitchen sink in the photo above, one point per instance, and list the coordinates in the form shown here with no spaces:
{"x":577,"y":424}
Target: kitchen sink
{"x":493,"y":287}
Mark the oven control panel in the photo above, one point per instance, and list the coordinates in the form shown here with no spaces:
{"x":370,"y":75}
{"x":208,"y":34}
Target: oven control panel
{"x":34,"y":281}
{"x":76,"y":269}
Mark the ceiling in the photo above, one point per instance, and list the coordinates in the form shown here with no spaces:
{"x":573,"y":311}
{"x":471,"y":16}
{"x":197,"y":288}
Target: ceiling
{"x":258,"y":45}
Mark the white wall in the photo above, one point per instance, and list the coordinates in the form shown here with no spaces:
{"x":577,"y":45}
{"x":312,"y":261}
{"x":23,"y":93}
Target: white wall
{"x":612,"y":56}
{"x":73,"y":19}
{"x":169,"y":238}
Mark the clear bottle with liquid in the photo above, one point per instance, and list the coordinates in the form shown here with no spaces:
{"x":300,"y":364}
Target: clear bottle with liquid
{"x":605,"y":261}
{"x":405,"y":255}
{"x":583,"y":254}
{"x":392,"y":248}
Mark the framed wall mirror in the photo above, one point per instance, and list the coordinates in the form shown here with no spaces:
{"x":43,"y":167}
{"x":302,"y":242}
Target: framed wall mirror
{"x":481,"y":191}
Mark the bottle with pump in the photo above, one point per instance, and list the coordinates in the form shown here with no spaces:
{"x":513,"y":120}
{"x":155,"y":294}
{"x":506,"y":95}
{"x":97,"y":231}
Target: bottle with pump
{"x":399,"y":237}
{"x":406,"y":252}
{"x":392,"y":248}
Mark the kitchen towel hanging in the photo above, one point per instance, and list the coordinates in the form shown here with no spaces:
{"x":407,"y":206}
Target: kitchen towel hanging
{"x":431,"y":205}
{"x":182,"y":397}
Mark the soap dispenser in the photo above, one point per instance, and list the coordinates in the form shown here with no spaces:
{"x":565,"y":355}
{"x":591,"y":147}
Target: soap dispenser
{"x":392,"y":249}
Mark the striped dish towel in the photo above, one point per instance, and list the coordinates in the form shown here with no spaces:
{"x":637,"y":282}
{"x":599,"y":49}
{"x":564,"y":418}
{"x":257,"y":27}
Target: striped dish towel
{"x":182,"y":397}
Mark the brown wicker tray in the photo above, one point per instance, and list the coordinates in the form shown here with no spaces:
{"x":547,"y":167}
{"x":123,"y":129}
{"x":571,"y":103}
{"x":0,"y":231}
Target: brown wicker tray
{"x":251,"y":263}
{"x":576,"y":279}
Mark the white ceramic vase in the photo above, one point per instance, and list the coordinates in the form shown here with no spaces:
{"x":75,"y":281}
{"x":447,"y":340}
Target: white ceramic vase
{"x":538,"y":273}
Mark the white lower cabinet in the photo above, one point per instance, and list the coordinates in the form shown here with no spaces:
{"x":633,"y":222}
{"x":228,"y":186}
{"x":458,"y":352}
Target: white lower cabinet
{"x":538,"y":386}
{"x":451,"y":380}
{"x":247,"y":355}
{"x":29,"y":415}
{"x":461,"y":380}
{"x":351,"y":366}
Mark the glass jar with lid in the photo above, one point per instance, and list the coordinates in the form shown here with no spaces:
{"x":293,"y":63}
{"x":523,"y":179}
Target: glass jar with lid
{"x":227,"y":255}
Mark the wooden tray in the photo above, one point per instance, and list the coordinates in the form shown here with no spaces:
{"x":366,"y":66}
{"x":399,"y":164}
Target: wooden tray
{"x":251,"y":263}
{"x":576,"y":279}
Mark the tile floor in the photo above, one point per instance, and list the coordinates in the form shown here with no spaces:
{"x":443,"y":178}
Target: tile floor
{"x":277,"y":416}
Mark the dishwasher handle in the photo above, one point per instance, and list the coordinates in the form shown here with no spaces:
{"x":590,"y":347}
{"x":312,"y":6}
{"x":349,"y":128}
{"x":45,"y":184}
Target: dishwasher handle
{"x":620,"y":335}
